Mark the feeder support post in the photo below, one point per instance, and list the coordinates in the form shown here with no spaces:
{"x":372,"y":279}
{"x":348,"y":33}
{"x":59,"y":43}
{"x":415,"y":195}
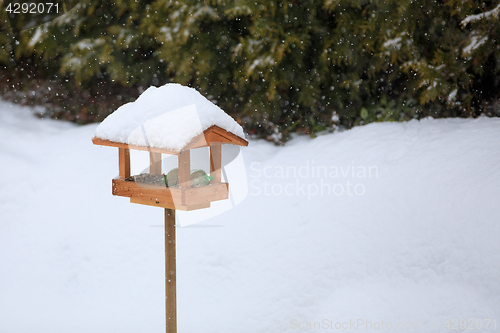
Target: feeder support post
{"x":170,"y":272}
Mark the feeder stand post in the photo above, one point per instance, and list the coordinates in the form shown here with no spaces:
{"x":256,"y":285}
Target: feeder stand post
{"x":170,"y":265}
{"x":170,"y":268}
{"x":170,"y":271}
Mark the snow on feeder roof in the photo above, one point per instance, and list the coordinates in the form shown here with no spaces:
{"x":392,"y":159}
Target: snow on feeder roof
{"x":169,"y":119}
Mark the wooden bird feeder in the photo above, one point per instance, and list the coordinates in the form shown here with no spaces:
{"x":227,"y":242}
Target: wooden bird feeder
{"x":183,"y":196}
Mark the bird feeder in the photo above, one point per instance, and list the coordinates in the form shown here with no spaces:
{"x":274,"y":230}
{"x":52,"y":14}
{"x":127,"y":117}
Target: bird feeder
{"x":185,"y":196}
{"x":174,"y":120}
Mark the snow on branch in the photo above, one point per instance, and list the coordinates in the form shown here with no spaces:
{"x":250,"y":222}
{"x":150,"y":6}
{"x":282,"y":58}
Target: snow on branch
{"x":486,"y":15}
{"x":393,"y":43}
{"x":474,"y":44}
{"x":36,"y":37}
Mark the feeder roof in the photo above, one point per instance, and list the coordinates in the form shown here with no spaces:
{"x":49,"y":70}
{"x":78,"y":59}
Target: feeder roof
{"x":169,"y":119}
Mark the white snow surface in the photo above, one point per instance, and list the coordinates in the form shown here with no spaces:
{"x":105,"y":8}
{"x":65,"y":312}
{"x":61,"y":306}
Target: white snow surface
{"x":418,"y":242}
{"x":167,"y":117}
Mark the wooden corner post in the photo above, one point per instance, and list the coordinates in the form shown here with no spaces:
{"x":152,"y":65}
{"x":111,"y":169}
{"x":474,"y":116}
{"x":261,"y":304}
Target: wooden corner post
{"x":154,"y":163}
{"x":124,"y":162}
{"x":215,"y":163}
{"x":185,"y":169}
{"x":170,"y":272}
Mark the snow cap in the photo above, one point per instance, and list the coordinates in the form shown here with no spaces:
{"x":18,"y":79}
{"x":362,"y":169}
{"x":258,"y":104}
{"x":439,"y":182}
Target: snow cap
{"x":167,"y":117}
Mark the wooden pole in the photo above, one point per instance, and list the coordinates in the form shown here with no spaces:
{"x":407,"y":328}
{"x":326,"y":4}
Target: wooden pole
{"x":170,"y":266}
{"x":170,"y":271}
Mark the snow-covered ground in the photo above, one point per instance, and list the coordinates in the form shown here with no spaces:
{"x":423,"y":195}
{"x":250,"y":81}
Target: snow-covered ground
{"x":411,"y":236}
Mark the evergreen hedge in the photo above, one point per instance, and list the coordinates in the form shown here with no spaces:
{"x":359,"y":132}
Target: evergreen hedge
{"x":277,"y":66}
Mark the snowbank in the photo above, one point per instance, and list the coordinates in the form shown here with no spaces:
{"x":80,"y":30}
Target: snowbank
{"x":392,"y":222}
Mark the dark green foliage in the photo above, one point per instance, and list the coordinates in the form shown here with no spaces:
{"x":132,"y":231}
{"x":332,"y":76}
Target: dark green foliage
{"x":278,"y":67}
